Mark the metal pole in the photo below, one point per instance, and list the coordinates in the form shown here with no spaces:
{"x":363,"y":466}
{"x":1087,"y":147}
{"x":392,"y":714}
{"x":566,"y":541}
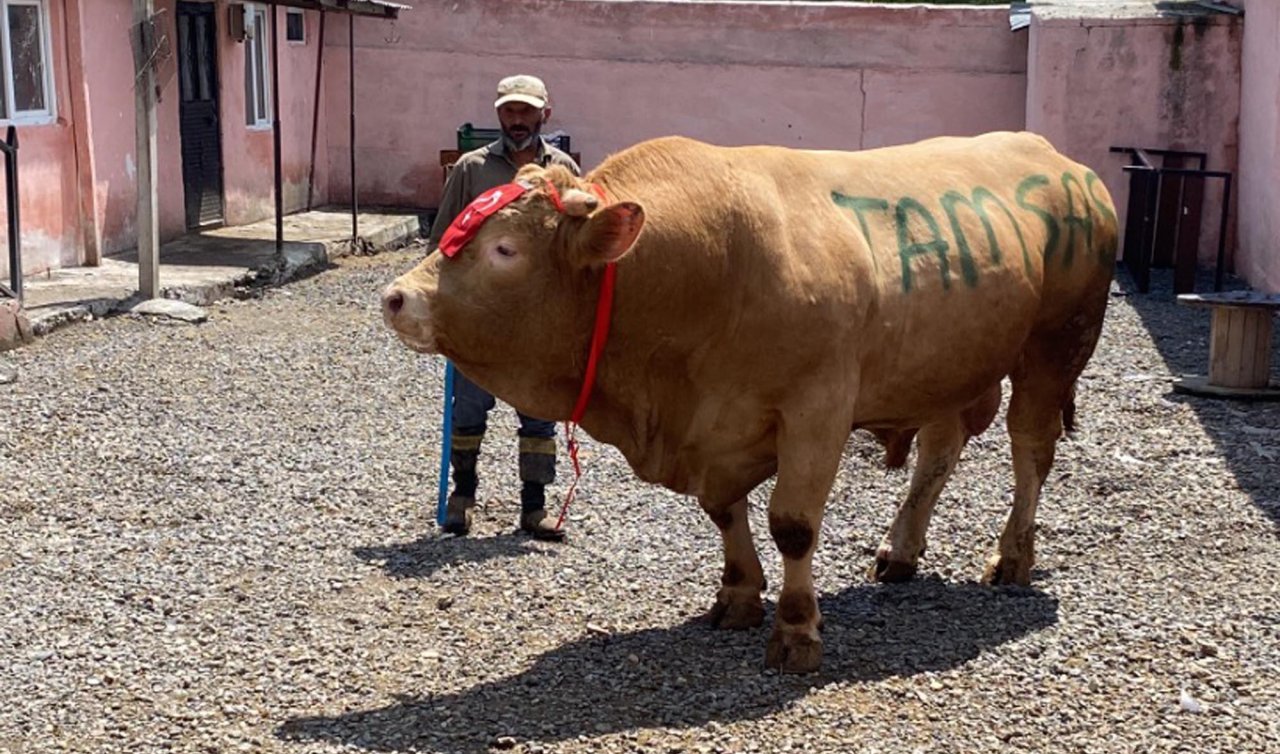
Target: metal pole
{"x":351,"y":75}
{"x":145,"y":145}
{"x":11,"y":190}
{"x":275,"y":129}
{"x":315,"y":113}
{"x":1222,"y":232}
{"x":446,"y":444}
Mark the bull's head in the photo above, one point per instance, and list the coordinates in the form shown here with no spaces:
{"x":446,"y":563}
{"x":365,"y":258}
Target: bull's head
{"x":513,"y":304}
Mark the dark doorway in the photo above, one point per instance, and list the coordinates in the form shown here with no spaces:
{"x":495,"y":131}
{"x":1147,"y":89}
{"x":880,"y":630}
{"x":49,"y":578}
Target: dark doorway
{"x":198,"y":113}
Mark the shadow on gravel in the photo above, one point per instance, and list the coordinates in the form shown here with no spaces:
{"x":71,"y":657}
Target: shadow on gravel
{"x":688,"y":675}
{"x":426,"y":555}
{"x":1247,"y":434}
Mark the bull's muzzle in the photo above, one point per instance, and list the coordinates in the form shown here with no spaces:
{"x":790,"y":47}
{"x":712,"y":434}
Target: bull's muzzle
{"x":405,"y":311}
{"x":392,"y":303}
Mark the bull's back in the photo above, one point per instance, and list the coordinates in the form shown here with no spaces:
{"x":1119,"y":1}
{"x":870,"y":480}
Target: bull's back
{"x":941,"y":259}
{"x":921,"y":270}
{"x":973,"y":245}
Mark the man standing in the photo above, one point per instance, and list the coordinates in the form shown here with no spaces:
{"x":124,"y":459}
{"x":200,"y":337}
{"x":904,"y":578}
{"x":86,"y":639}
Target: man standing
{"x":523,"y":107}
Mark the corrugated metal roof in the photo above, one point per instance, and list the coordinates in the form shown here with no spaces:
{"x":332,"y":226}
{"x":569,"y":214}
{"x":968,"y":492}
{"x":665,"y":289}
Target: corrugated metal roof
{"x":1019,"y":16}
{"x":375,"y":8}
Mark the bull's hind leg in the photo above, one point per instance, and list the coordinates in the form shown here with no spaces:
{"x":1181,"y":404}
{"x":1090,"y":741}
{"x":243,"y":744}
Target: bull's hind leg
{"x":1035,"y":422}
{"x":738,"y":602}
{"x":940,"y":444}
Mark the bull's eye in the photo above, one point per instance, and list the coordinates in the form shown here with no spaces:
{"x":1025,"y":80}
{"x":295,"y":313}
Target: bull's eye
{"x":505,"y":251}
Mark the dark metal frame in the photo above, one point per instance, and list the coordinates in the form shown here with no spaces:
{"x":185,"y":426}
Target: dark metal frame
{"x":1163,"y":228}
{"x":353,"y":8}
{"x":10,"y":149}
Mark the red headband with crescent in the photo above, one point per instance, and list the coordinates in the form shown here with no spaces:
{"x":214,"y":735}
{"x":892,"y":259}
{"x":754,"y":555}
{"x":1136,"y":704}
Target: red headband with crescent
{"x":465,"y":226}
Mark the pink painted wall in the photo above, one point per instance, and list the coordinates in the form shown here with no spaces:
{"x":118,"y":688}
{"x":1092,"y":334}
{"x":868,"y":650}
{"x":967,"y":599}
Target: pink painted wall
{"x":1258,"y":258}
{"x":109,"y":161}
{"x":47,"y":170}
{"x":247,"y":150}
{"x":1093,"y":83}
{"x":820,"y":76}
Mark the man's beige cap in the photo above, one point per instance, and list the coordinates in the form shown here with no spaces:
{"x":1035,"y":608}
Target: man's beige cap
{"x":522,"y":88}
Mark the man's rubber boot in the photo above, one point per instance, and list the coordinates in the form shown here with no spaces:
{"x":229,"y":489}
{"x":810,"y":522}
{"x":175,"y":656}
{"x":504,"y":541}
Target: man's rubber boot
{"x":464,"y":455}
{"x":540,"y":525}
{"x":537,"y":470}
{"x":457,"y":516}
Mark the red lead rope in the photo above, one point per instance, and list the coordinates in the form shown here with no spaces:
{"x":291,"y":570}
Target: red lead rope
{"x":604,"y":312}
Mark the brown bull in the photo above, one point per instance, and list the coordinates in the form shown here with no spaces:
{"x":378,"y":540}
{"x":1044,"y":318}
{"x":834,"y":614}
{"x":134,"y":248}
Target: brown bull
{"x":768,"y":302}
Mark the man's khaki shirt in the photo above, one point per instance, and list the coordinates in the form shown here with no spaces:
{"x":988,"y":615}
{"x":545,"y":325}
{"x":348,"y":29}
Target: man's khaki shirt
{"x":482,"y":169}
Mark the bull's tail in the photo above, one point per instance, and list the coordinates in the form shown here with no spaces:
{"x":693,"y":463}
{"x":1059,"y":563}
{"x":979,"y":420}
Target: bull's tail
{"x":1069,"y":412}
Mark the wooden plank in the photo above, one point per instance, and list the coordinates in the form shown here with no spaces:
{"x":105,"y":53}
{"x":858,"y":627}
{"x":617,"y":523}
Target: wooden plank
{"x":1243,"y":299}
{"x":1187,"y":238}
{"x":1166,"y":222}
{"x":1240,"y":347}
{"x":1258,"y":356}
{"x":1219,"y":343}
{"x":1202,"y":386}
{"x":1137,"y":232}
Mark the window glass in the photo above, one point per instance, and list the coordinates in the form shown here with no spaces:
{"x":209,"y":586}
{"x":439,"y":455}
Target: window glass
{"x":27,"y":53}
{"x":256,"y":78}
{"x":202,"y":59}
{"x":295,"y":26}
{"x":185,"y":60}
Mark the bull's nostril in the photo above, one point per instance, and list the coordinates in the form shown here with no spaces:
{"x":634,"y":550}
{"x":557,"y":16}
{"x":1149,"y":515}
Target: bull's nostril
{"x":394,"y":302}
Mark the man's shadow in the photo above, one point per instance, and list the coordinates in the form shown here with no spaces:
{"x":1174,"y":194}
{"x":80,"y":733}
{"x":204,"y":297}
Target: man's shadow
{"x":432,"y":552}
{"x":688,"y":675}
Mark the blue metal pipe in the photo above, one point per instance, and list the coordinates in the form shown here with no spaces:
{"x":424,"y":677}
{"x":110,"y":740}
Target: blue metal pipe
{"x":446,"y":444}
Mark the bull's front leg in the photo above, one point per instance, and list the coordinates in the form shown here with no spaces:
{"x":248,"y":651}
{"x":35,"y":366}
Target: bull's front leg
{"x":809,"y":454}
{"x":738,"y":603}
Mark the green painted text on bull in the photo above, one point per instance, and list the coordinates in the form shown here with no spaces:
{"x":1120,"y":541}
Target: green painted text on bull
{"x":919,"y":234}
{"x":1083,"y":222}
{"x":976,"y":205}
{"x":909,"y":248}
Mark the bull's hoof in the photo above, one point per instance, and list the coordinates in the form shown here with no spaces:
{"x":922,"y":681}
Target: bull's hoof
{"x":888,"y":571}
{"x":1003,"y":570}
{"x":794,"y":651}
{"x":735,"y":615}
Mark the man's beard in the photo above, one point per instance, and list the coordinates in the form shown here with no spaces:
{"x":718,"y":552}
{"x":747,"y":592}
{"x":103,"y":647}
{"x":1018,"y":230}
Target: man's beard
{"x":519,"y":145}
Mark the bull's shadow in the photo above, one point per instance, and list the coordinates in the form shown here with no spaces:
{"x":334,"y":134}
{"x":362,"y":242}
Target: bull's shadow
{"x":687,"y":675}
{"x":1246,"y":434}
{"x":430,"y":553}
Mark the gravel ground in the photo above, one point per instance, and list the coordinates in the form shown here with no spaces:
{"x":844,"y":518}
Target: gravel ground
{"x":220,"y":538}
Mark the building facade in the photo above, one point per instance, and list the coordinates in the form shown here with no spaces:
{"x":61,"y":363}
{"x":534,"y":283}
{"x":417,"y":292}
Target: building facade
{"x":68,"y":77}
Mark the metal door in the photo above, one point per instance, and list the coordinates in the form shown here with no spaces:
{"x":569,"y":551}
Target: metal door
{"x":198,"y":113}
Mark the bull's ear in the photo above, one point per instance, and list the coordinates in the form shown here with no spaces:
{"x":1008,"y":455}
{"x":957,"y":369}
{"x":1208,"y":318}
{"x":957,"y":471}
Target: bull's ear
{"x":610,"y":233}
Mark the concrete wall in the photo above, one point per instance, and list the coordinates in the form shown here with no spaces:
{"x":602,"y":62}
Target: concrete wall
{"x":820,"y":76}
{"x":110,"y":161}
{"x":247,"y":150}
{"x":1258,"y":257}
{"x":1163,"y":83}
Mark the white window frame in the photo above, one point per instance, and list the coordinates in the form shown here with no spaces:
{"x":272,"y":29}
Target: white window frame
{"x":50,"y":111}
{"x":300,"y":13}
{"x":257,"y":37}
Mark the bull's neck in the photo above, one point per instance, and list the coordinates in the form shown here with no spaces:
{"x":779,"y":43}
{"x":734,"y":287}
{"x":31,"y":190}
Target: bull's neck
{"x":543,"y":379}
